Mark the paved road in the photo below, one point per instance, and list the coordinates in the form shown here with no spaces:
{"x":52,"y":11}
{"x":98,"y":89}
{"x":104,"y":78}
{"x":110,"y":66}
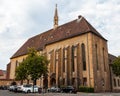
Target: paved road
{"x":7,"y":93}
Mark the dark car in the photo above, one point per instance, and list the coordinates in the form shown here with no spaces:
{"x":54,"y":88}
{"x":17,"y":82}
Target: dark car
{"x":54,"y":89}
{"x":69,"y":89}
{"x":3,"y":87}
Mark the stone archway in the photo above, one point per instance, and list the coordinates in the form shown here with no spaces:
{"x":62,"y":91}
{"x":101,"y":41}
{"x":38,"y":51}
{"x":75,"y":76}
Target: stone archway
{"x":45,"y":83}
{"x":13,"y":83}
{"x":52,"y":79}
{"x":53,"y":82}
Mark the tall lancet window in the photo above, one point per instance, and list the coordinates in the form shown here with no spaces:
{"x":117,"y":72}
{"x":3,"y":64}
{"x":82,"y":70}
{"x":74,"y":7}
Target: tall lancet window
{"x":64,"y":60}
{"x":65,"y":57}
{"x":83,"y":56}
{"x":96,"y":55}
{"x":73,"y":63}
{"x":104,"y":59}
{"x":16,"y":65}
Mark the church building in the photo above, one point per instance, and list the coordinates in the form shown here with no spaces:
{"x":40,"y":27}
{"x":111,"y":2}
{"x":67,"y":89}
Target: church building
{"x":77,"y":52}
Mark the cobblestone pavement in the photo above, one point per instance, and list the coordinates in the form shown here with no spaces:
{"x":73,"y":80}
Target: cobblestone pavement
{"x":7,"y":93}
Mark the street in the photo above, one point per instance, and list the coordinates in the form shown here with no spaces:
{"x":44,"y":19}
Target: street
{"x":8,"y":93}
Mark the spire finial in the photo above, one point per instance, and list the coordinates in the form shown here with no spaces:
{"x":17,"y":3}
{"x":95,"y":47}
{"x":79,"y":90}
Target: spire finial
{"x":56,"y":5}
{"x":56,"y":18}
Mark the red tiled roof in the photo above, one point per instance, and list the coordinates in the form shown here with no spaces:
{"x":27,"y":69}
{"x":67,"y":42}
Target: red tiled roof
{"x":74,"y":28}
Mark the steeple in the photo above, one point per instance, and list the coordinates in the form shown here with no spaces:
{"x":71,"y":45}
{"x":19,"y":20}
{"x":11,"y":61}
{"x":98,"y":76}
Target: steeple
{"x":56,"y":18}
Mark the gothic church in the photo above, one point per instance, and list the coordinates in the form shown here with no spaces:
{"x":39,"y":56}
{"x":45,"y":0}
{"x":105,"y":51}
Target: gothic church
{"x":77,"y":52}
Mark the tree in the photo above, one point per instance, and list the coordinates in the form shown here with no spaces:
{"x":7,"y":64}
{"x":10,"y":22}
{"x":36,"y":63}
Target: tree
{"x":34,"y":66}
{"x":37,"y":65}
{"x":21,"y":72}
{"x":116,"y":66}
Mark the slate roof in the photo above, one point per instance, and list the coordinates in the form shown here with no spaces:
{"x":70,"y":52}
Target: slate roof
{"x":71,"y":29}
{"x":111,"y":58}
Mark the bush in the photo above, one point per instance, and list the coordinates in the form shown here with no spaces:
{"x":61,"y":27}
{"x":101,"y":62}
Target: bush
{"x":86,"y":89}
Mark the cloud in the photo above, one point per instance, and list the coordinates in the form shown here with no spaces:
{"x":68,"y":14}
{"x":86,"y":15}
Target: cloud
{"x":16,"y":25}
{"x":104,"y":16}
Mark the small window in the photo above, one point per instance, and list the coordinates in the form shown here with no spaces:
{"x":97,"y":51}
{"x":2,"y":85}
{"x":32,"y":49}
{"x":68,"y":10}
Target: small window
{"x":114,"y":82}
{"x":73,"y":81}
{"x":118,"y":82}
{"x":84,"y":81}
{"x":63,"y":81}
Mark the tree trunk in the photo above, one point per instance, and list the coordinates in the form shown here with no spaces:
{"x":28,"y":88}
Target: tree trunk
{"x":33,"y":86}
{"x":21,"y":82}
{"x":27,"y":81}
{"x":34,"y":83}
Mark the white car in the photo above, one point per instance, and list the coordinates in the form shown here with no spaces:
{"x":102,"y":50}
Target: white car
{"x":29,"y":88}
{"x":19,"y":88}
{"x":12,"y":87}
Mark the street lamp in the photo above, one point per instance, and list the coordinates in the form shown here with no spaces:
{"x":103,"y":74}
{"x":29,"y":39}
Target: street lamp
{"x":42,"y":84}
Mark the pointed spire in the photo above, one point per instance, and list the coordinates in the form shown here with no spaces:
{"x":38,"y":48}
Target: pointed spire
{"x":56,"y":18}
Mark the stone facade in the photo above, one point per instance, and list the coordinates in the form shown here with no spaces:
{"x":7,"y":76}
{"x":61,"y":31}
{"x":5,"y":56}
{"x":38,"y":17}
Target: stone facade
{"x":70,"y":51}
{"x":14,"y":63}
{"x":8,"y":71}
{"x":69,"y":70}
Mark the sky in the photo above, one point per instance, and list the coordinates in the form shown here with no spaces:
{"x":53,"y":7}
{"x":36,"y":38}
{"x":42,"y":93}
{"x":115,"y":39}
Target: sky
{"x":22,"y":19}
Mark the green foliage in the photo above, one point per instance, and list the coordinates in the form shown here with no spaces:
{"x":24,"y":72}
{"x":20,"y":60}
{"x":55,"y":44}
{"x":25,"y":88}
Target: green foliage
{"x":33,"y":66}
{"x":21,"y":71}
{"x":116,"y":66}
{"x":86,"y":89}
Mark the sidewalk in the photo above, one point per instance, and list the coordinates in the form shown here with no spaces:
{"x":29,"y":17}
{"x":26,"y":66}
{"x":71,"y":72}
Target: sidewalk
{"x":78,"y":94}
{"x":52,"y":94}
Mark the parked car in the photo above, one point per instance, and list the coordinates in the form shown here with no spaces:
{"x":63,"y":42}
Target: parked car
{"x":54,"y":89}
{"x":3,"y":87}
{"x":12,"y":87}
{"x":69,"y":89}
{"x":29,"y":88}
{"x":18,"y":88}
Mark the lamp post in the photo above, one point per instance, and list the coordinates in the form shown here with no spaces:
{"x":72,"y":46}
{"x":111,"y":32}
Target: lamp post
{"x":103,"y":84}
{"x":60,"y":81}
{"x":42,"y":84}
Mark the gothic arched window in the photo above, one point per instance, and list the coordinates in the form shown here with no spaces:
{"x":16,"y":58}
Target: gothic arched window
{"x":96,"y":55}
{"x":73,"y":64}
{"x":83,"y":56}
{"x":104,"y":59}
{"x":64,"y":59}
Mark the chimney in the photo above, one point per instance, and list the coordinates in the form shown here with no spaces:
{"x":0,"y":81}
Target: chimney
{"x":79,"y":16}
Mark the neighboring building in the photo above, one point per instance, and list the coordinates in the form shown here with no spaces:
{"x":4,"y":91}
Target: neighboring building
{"x":2,"y":74}
{"x":77,"y":52}
{"x":115,"y":80}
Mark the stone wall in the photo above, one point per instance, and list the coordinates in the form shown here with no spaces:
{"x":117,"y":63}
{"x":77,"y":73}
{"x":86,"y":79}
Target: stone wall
{"x":7,"y":81}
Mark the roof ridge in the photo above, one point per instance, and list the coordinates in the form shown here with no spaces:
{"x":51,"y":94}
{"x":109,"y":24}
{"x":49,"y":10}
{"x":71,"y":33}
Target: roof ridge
{"x":92,"y":29}
{"x":86,"y":23}
{"x":52,"y":29}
